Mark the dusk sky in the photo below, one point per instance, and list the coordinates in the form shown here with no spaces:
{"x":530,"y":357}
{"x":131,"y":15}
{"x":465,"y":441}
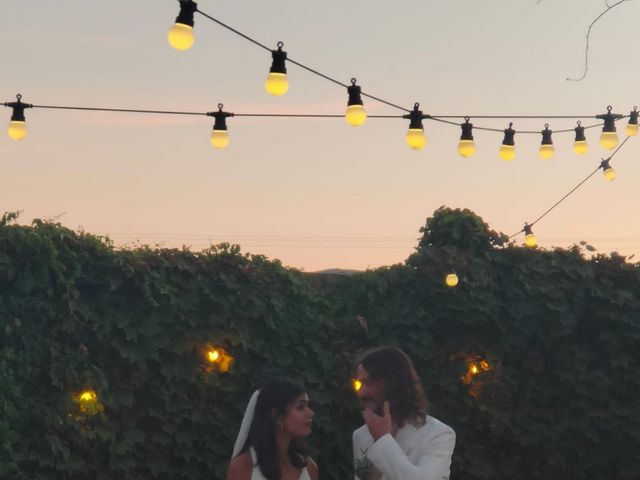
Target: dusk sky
{"x":316,"y":193}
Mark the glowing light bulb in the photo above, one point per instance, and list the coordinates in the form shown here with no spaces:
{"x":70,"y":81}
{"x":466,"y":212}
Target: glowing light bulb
{"x":451,"y":280}
{"x":356,"y":384}
{"x":530,"y":239}
{"x":17,"y":125}
{"x":474,"y":369}
{"x":485,"y":365}
{"x":355,"y":115}
{"x":213,"y":355}
{"x":507,"y":152}
{"x":416,"y":138}
{"x":609,"y":137}
{"x":580,"y":147}
{"x":546,"y":147}
{"x":466,"y":147}
{"x":610,"y":174}
{"x":17,"y":130}
{"x":219,"y":136}
{"x":277,"y":83}
{"x":180,"y":36}
{"x":508,"y":148}
{"x":609,"y":140}
{"x":547,"y":152}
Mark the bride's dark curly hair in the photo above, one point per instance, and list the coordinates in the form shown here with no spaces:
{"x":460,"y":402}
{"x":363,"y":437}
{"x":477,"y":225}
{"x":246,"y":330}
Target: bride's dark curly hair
{"x":276,"y":396}
{"x":402,"y":386}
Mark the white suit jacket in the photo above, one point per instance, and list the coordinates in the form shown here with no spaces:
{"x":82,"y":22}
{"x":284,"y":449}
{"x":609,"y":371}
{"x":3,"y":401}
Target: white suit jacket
{"x":416,"y":453}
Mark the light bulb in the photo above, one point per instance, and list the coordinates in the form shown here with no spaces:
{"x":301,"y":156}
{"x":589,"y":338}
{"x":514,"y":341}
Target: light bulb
{"x":610,"y":174}
{"x":213,"y":355}
{"x":580,"y":147}
{"x":17,"y":130}
{"x":416,"y":138}
{"x":609,"y":140}
{"x":219,"y":138}
{"x":507,"y":152}
{"x":277,"y":84}
{"x":530,"y":240}
{"x":356,"y":384}
{"x":355,"y":115}
{"x":451,"y":280}
{"x":466,"y":148}
{"x":547,"y":152}
{"x":631,"y":129}
{"x":181,"y":37}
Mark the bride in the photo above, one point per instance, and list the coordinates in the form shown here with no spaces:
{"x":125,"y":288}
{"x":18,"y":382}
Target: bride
{"x":269,"y":444}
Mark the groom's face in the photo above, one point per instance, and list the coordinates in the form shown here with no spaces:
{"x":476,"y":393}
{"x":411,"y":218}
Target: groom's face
{"x":371,"y":394}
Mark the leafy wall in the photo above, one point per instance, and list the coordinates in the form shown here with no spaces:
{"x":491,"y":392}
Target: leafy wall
{"x":532,"y":358}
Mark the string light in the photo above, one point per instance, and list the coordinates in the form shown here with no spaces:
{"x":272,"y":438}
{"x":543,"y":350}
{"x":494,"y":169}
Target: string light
{"x":356,"y":114}
{"x":632,"y":127}
{"x":218,"y":358}
{"x":17,"y":125}
{"x":180,"y":36}
{"x":609,"y":137}
{"x":451,"y":280}
{"x":546,"y":147}
{"x":277,"y":83}
{"x":416,"y":138}
{"x":356,"y":385}
{"x":87,"y":401}
{"x":219,"y":136}
{"x":466,"y":147}
{"x":530,"y":239}
{"x":609,"y":172}
{"x":580,"y":146}
{"x":508,"y":149}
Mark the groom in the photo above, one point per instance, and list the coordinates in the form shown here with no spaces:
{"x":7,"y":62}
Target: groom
{"x":398,"y":441}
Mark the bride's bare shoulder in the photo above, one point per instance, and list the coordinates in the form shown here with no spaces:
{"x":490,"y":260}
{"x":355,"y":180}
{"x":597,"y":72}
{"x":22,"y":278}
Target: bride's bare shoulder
{"x":240,"y":467}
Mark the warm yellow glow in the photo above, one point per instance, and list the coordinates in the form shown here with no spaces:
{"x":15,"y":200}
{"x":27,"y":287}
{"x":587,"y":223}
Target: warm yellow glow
{"x":219,"y":138}
{"x":416,"y":138}
{"x":507,"y":152}
{"x":473,"y":368}
{"x":530,"y":240}
{"x":451,"y":280}
{"x":88,"y":396}
{"x":213,"y":355}
{"x":547,"y":152}
{"x":277,"y":84}
{"x":609,"y":140}
{"x":181,"y":36}
{"x":484,"y":365}
{"x":610,"y":174}
{"x":357,"y":384}
{"x":466,"y":148}
{"x":355,"y":115}
{"x":631,"y":129}
{"x":17,"y":130}
{"x":580,"y":147}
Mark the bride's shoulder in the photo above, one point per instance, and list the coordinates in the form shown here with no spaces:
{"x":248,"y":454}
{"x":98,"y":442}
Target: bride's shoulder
{"x":240,"y":467}
{"x":312,"y":468}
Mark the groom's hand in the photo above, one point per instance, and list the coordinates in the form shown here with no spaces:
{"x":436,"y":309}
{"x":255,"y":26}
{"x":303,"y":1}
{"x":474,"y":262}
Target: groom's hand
{"x":378,"y":425}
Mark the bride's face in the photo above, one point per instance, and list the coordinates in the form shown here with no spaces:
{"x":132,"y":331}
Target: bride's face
{"x":298,"y":419}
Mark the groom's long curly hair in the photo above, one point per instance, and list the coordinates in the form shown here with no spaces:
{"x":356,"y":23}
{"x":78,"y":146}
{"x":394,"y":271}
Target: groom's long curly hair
{"x":402,"y":386}
{"x":276,"y":397}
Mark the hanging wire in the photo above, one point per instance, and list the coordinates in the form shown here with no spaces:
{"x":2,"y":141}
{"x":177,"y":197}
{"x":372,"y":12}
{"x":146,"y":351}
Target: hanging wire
{"x":571,"y":191}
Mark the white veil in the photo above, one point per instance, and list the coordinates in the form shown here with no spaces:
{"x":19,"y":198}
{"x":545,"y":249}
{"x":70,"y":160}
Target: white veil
{"x":245,"y":426}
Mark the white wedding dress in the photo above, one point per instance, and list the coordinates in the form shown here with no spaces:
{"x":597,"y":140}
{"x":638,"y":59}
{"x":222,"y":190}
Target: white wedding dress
{"x":257,"y":474}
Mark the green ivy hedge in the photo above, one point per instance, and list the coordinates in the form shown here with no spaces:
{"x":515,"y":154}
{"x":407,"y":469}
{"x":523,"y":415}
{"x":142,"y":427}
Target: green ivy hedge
{"x":559,"y":336}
